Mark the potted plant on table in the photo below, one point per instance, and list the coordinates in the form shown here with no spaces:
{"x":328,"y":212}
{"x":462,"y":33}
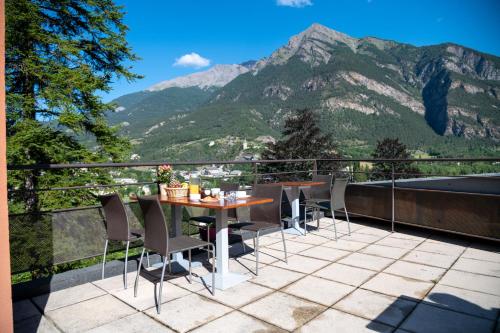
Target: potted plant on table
{"x":169,"y":185}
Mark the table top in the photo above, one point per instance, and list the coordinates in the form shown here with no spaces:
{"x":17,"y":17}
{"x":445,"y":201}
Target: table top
{"x":226,"y":204}
{"x":300,"y":183}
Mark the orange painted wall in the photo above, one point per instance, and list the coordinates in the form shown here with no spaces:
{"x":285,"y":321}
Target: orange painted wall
{"x":6,"y":324}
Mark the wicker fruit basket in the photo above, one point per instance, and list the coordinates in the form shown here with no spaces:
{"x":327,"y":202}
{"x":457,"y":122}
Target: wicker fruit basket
{"x":173,"y":192}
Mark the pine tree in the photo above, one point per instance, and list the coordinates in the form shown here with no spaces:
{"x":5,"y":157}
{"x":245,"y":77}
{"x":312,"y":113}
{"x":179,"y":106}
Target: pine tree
{"x":302,"y":139}
{"x":60,"y":54}
{"x":392,"y":149}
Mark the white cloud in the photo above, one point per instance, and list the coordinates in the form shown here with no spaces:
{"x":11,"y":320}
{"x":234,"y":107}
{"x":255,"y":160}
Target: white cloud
{"x":192,"y":60}
{"x":294,"y":3}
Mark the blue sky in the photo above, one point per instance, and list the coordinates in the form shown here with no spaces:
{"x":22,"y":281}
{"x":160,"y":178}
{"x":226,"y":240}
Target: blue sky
{"x":233,"y":31}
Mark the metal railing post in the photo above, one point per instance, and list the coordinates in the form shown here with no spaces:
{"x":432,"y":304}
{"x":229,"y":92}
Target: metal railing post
{"x":157,"y":181}
{"x":255,"y":174}
{"x":315,"y":167}
{"x":392,"y":206}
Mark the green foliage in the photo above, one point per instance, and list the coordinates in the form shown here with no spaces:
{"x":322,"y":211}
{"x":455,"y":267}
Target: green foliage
{"x":302,"y":139}
{"x":59,"y":56}
{"x":392,"y":149}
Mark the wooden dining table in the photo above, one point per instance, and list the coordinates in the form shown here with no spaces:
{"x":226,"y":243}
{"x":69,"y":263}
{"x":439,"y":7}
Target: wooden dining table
{"x":294,"y":196}
{"x":223,"y":278}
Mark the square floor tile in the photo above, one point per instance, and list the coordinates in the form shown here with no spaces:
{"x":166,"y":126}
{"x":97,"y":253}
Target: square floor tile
{"x":302,"y":264}
{"x":237,"y":322}
{"x":266,"y":255}
{"x":374,"y":306}
{"x":471,"y":281}
{"x":135,"y":323}
{"x":363,"y":238}
{"x":319,"y":290}
{"x":238,"y":295}
{"x":146,"y":294}
{"x":398,"y":286}
{"x":384,"y":251}
{"x":61,"y":298}
{"x":441,"y":248}
{"x":89,"y":314}
{"x":39,"y":324}
{"x":24,"y":309}
{"x":283,"y":310}
{"x":312,"y":239}
{"x":367,"y":261}
{"x":429,"y":258}
{"x":398,"y":242}
{"x":275,"y":277}
{"x":481,"y":252}
{"x":374,"y":231}
{"x":346,"y":245}
{"x":467,"y":301}
{"x":188,"y":312}
{"x":336,"y":321}
{"x":415,"y":271}
{"x":291,"y":247}
{"x":325,"y":253}
{"x":116,"y":282}
{"x":477,"y":266}
{"x":430,"y":319}
{"x":353,"y":276}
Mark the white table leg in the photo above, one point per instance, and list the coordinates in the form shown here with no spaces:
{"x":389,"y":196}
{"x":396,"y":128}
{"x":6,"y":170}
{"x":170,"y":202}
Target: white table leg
{"x":294,"y":202}
{"x":177,"y":258}
{"x":223,"y":278}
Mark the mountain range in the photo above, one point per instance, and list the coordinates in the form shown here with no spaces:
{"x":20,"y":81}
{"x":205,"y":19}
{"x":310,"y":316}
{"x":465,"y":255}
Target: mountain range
{"x":440,"y":99}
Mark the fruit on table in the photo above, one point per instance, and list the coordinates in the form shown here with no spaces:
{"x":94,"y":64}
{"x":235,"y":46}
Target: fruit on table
{"x":185,"y":185}
{"x":175,"y":183}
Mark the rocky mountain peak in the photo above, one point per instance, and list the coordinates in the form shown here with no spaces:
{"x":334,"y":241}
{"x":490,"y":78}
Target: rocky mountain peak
{"x":217,"y":76}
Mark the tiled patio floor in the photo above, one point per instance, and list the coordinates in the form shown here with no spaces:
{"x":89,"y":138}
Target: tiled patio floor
{"x":371,"y":281}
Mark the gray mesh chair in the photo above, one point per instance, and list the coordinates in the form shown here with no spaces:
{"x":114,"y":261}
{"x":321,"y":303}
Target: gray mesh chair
{"x":337,"y":202}
{"x":266,"y":217}
{"x":156,"y":239}
{"x":317,"y":194}
{"x":117,"y":228}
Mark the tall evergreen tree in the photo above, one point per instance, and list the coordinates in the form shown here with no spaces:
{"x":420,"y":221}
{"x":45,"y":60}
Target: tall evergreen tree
{"x":392,"y":149}
{"x":60,"y":54}
{"x":302,"y":139}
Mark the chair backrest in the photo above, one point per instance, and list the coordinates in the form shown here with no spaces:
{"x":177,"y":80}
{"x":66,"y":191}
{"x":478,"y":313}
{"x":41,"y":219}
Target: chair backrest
{"x":321,"y":191}
{"x":338,"y":193}
{"x":228,"y":187}
{"x":117,"y":227}
{"x":155,"y":228}
{"x":270,"y":212}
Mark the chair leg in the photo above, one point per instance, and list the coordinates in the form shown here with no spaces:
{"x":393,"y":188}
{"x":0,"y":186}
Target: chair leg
{"x":158,"y":308}
{"x":317,"y":218}
{"x":348,"y":222}
{"x":104,"y":258}
{"x":243,"y":242}
{"x":136,"y":283}
{"x":334,"y":224}
{"x":284,"y":244}
{"x":189,"y":259}
{"x":213,"y":268}
{"x":208,"y":240}
{"x":125,"y":266}
{"x":305,"y":220}
{"x":257,"y":255}
{"x":147,"y":256}
{"x":254,"y":246}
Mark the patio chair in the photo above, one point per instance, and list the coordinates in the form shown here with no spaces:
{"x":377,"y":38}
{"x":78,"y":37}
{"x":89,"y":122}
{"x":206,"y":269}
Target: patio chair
{"x":263,"y":218}
{"x":337,"y":202}
{"x":117,"y":228}
{"x":317,"y":194}
{"x":156,"y":239}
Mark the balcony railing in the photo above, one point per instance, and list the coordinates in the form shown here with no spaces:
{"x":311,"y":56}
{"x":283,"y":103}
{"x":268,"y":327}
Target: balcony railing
{"x":56,"y":236}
